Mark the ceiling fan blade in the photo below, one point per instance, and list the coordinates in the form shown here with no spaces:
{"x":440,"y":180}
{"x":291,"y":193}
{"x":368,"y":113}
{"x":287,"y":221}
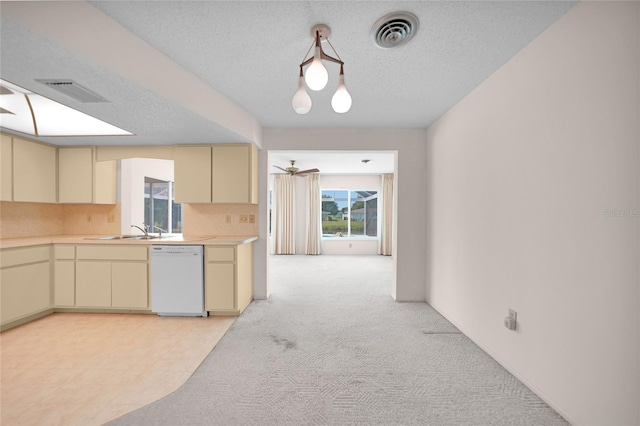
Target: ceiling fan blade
{"x":301,"y":175}
{"x":284,"y":170}
{"x":308,"y":171}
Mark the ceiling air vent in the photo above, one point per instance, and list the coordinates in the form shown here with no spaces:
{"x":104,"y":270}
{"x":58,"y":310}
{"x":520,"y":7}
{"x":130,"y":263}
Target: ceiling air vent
{"x":73,"y":90}
{"x":394,"y":29}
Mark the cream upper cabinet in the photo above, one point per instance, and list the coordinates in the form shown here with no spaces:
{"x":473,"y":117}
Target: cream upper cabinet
{"x":75,"y":175}
{"x":216,"y":174}
{"x":105,"y":182}
{"x":234,"y":174}
{"x":81,"y":179}
{"x":34,"y":172}
{"x":192,"y":174}
{"x":6,"y":168}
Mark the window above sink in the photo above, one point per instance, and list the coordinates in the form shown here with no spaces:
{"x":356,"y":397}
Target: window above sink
{"x":160,"y":209}
{"x":146,"y":194}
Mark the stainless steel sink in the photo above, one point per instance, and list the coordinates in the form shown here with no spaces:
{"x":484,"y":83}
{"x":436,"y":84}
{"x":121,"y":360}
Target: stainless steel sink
{"x":107,"y":237}
{"x":125,"y":237}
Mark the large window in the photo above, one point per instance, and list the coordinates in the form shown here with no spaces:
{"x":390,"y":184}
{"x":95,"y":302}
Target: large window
{"x":159,"y":207}
{"x":349,"y":213}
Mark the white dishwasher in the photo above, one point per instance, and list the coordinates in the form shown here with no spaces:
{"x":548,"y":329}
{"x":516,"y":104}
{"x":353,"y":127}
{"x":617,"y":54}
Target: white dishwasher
{"x":177,"y":280}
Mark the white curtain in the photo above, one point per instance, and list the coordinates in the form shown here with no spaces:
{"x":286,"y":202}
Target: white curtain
{"x":313,"y":243}
{"x":386,"y":226}
{"x":283,"y":215}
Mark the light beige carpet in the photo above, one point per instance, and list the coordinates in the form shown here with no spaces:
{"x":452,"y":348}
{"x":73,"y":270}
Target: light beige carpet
{"x":331,"y":347}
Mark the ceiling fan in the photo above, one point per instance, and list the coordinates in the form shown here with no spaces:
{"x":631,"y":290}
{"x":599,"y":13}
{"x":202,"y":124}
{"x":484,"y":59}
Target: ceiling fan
{"x":294,"y":171}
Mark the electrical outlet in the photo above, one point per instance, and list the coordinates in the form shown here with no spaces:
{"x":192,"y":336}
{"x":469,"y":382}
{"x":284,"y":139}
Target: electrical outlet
{"x":511,"y":320}
{"x":89,"y":217}
{"x":252,"y":218}
{"x":244,"y":218}
{"x":111,"y":218}
{"x":227,"y":218}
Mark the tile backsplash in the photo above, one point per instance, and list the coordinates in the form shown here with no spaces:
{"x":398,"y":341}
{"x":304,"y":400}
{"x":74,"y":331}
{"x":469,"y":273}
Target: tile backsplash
{"x":40,"y":219}
{"x":19,"y":220}
{"x":220,"y":219}
{"x":30,"y":219}
{"x":83,"y":219}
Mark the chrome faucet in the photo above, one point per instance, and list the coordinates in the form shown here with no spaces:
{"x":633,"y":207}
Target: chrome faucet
{"x":160,"y":231}
{"x":145,"y":229}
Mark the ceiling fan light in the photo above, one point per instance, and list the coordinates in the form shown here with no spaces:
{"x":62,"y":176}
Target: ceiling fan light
{"x":317,"y":75}
{"x":341,"y":100}
{"x":301,"y":100}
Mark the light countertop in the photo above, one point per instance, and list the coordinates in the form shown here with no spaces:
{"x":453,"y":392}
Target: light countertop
{"x":207,"y":240}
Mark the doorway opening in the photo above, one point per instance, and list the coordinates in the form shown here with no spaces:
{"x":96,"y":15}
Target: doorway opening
{"x":350,"y":187}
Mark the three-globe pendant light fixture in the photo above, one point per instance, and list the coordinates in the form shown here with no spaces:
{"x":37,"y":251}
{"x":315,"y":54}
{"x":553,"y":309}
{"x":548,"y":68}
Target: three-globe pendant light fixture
{"x":316,"y":76}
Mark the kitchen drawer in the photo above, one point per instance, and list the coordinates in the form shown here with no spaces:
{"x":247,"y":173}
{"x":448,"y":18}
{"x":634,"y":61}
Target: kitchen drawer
{"x":24,"y":255}
{"x":64,"y":252}
{"x":220,"y":254}
{"x":97,"y":252}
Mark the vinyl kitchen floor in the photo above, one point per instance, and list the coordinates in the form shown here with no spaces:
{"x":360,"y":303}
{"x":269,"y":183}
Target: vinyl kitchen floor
{"x":87,"y":369}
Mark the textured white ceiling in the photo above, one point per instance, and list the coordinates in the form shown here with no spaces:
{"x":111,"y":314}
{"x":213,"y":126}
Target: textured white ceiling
{"x":249,"y":52}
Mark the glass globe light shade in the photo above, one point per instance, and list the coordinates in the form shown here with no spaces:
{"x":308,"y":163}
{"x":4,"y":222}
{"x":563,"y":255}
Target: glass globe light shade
{"x":341,"y":100}
{"x":301,"y":102}
{"x":316,"y":76}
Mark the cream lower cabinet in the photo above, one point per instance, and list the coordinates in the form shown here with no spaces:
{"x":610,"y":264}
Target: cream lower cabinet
{"x":129,"y":285}
{"x":25,"y":282}
{"x":112,"y":276}
{"x":93,"y":284}
{"x":64,"y":275}
{"x":228,"y":279}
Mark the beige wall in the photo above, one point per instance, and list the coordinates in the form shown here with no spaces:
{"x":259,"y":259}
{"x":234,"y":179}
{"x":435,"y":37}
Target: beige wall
{"x":523,"y":174}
